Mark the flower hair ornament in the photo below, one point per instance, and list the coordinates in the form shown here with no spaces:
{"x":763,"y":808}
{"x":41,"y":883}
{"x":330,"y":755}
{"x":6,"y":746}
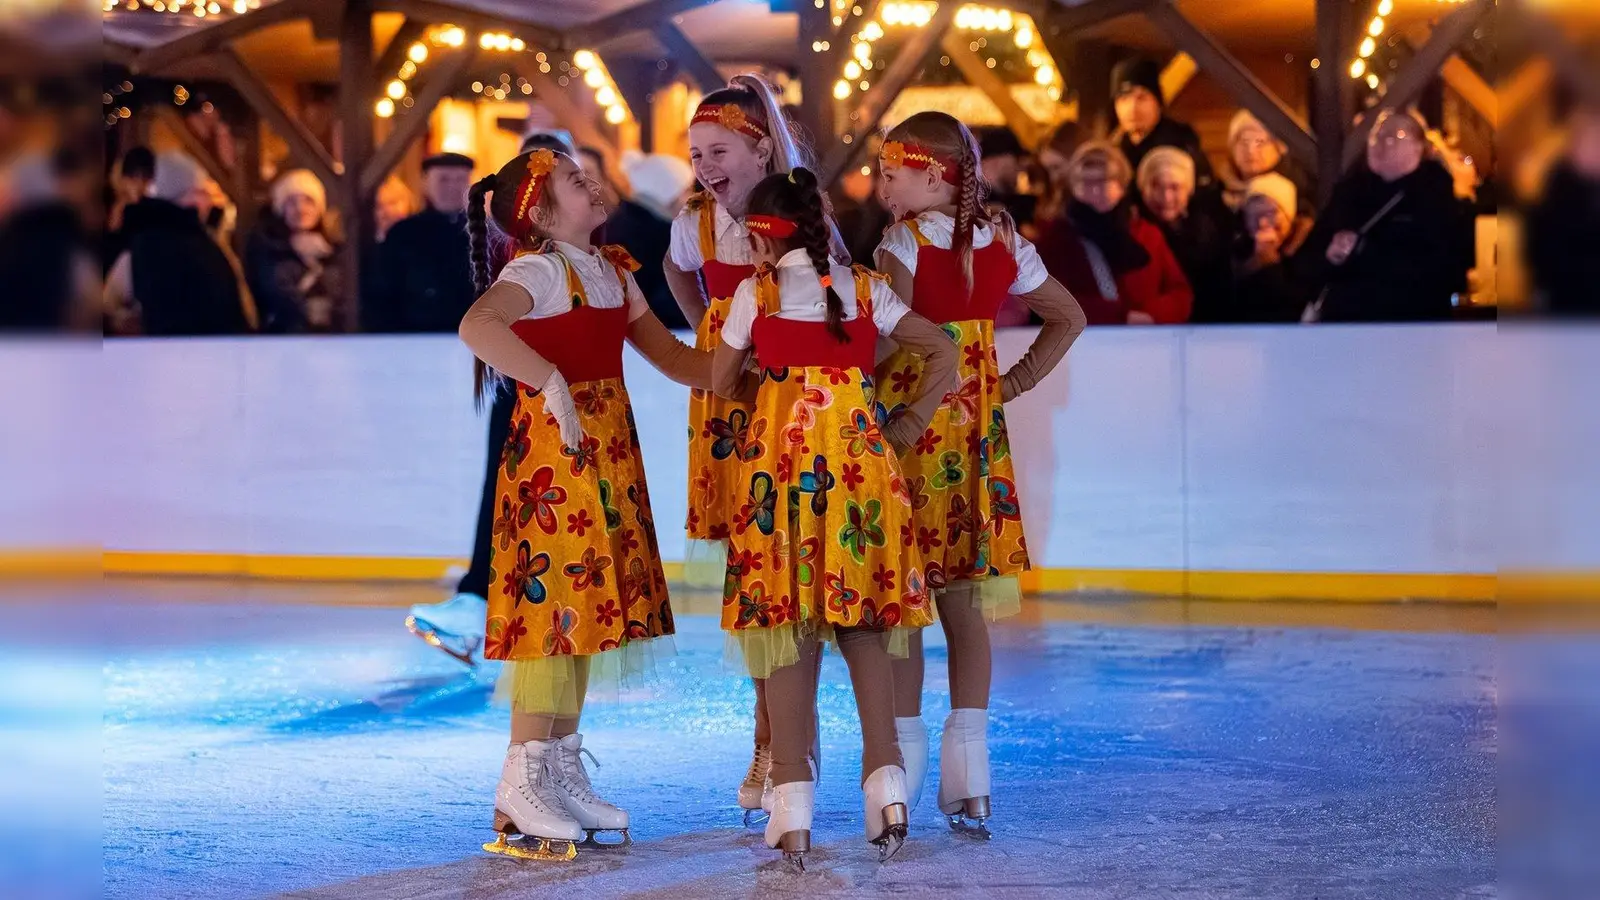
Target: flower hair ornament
{"x":730,"y":116}
{"x":771,"y":226}
{"x":541,"y":163}
{"x":896,"y":154}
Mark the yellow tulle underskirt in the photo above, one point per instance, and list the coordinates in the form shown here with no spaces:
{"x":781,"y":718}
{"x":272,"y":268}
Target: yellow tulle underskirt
{"x":558,"y":685}
{"x":758,"y":652}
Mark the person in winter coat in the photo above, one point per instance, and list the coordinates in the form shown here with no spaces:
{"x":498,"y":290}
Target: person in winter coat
{"x":1143,"y":123}
{"x":1564,"y":227}
{"x":642,"y":223}
{"x":1394,"y":243}
{"x":421,"y":277}
{"x":1253,"y":151}
{"x":1108,"y":256}
{"x":174,"y":278}
{"x":1265,"y":289}
{"x":1199,"y":233}
{"x":291,"y":261}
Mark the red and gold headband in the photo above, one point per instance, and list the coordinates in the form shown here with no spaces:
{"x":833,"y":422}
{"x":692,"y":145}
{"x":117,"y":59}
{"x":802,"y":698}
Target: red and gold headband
{"x":896,"y":154}
{"x":771,"y":226}
{"x":541,"y":163}
{"x":730,"y":116}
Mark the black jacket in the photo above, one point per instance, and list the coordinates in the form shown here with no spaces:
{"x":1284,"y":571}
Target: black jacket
{"x":1268,"y":294}
{"x":1203,"y":242}
{"x":183,"y":282}
{"x":38,"y":247}
{"x":1563,"y":244}
{"x":1410,"y":262}
{"x":1171,"y":133}
{"x":646,"y":236}
{"x":421,"y":276}
{"x":274,"y":272}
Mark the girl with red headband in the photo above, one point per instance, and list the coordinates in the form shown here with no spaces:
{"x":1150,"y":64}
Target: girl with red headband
{"x":738,"y":136}
{"x":955,"y":262}
{"x":814,"y":551}
{"x":578,"y":593}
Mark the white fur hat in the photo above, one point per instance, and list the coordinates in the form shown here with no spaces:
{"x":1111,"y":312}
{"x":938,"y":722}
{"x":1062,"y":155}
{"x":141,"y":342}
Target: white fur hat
{"x":177,"y":176}
{"x":658,"y":180}
{"x":1276,"y":188}
{"x":301,"y":182}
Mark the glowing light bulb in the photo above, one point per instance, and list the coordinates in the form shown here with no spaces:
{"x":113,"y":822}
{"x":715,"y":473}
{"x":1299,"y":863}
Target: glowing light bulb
{"x":863,"y":50}
{"x":397,"y":89}
{"x":1376,"y":28}
{"x":385,"y":108}
{"x":418,"y":54}
{"x":1358,"y":68}
{"x":594,"y":78}
{"x":605,"y":96}
{"x":852,"y":69}
{"x":1385,"y":7}
{"x":584,"y":59}
{"x":1044,"y":75}
{"x":1368,"y":47}
{"x":841,"y":89}
{"x":615,"y":114}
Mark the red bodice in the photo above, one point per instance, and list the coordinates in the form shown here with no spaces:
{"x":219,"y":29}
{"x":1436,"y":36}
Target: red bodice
{"x":584,"y":343}
{"x":722,"y":279}
{"x":784,"y":343}
{"x":938,"y":283}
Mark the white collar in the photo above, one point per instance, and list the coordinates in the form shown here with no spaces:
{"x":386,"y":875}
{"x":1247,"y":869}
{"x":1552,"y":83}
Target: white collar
{"x":796,"y":258}
{"x":724,"y":220}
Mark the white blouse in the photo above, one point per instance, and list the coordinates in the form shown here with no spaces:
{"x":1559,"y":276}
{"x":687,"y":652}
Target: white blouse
{"x":733,"y":239}
{"x":801,"y":298}
{"x":544,"y":277}
{"x":940,"y":228}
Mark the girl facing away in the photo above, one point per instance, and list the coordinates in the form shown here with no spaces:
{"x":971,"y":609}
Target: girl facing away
{"x":814,"y":549}
{"x":955,"y":262}
{"x":576,"y":591}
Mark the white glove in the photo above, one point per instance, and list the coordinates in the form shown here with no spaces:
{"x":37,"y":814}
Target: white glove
{"x":558,"y":405}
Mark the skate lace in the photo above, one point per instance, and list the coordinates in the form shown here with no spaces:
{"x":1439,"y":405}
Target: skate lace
{"x":575,"y":779}
{"x":760,"y":765}
{"x":541,"y":782}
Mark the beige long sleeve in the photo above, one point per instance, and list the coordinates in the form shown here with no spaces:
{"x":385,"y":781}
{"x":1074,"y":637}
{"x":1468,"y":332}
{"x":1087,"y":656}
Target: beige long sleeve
{"x":938,"y":353}
{"x":486,"y":330}
{"x":1063,"y":322}
{"x":675,"y":359}
{"x":731,"y":377}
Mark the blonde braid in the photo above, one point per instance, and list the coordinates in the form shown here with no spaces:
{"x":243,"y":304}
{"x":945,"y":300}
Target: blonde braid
{"x":967,"y":213}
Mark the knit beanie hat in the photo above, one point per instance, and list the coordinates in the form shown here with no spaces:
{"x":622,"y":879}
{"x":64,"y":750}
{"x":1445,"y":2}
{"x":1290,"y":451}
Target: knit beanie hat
{"x":301,"y":182}
{"x":1243,"y":121}
{"x":1137,"y":71}
{"x":1276,"y":188}
{"x":177,"y":176}
{"x":659,"y":181}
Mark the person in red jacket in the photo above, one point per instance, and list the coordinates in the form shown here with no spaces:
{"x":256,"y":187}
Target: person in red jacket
{"x":1116,"y":263}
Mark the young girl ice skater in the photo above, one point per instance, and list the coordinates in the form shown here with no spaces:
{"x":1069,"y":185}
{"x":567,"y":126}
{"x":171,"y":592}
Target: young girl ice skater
{"x":576,"y":589}
{"x":955,"y":263}
{"x":813,"y":550}
{"x":738,"y":136}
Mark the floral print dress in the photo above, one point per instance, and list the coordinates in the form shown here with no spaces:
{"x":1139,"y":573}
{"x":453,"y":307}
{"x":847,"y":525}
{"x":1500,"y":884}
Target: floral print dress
{"x":815,"y":541}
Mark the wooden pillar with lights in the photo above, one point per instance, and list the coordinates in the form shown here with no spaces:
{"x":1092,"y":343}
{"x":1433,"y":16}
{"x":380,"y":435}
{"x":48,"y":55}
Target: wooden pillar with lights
{"x":818,"y":54}
{"x":356,"y":116}
{"x":1330,"y":95}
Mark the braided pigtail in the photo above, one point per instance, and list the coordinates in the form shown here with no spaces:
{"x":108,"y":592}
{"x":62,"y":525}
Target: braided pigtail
{"x":813,"y":234}
{"x":967,"y":213}
{"x":483,"y":379}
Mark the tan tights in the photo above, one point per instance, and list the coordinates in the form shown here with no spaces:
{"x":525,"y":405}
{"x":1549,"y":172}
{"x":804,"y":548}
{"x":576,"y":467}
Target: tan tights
{"x":791,"y":694}
{"x":967,"y":634}
{"x":538,"y":726}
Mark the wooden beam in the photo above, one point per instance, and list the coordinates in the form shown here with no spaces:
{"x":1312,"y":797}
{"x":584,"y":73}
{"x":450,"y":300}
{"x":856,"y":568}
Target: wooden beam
{"x":440,"y":12}
{"x":394,"y":55}
{"x":356,"y":120}
{"x":119,"y":54}
{"x":1471,"y":88}
{"x":817,"y":71}
{"x":304,"y":147}
{"x":208,"y":38}
{"x":581,"y":124}
{"x":230,"y":182}
{"x":1575,"y":71}
{"x":994,"y":87}
{"x":443,"y":76}
{"x":1516,"y":93}
{"x":688,"y":57}
{"x":865,"y":119}
{"x":1074,"y":17}
{"x":1176,"y":75}
{"x":1238,"y":81}
{"x":326,"y":20}
{"x":641,"y":17}
{"x":1419,"y":71}
{"x":1330,"y":107}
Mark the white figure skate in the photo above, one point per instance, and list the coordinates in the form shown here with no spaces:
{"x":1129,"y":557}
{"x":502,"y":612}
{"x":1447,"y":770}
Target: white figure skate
{"x":455,"y":626}
{"x":754,"y":790}
{"x":964,"y":772}
{"x":530,"y":812}
{"x":886,"y":813}
{"x":913,"y":737}
{"x":789,"y":829}
{"x":593,"y":813}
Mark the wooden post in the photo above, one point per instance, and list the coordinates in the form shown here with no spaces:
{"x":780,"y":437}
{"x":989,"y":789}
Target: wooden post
{"x":1089,"y":76}
{"x":1328,"y":95}
{"x":689,"y":58}
{"x":356,"y":99}
{"x":818,"y":71}
{"x":197,"y":149}
{"x":636,"y":81}
{"x":870,"y":112}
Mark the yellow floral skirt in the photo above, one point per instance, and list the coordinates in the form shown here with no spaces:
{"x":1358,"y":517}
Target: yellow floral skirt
{"x":575,"y":570}
{"x":967,"y":517}
{"x":815,"y":538}
{"x":718,"y":430}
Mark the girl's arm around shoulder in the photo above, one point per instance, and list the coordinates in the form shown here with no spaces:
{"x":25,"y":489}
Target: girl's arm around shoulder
{"x":675,"y":359}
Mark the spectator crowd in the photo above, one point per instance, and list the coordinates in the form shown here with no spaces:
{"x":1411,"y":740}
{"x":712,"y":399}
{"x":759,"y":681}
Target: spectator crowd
{"x":1138,"y":224}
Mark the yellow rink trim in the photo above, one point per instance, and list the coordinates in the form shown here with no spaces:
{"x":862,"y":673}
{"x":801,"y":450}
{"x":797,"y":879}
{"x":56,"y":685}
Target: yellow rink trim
{"x":1167,"y":582}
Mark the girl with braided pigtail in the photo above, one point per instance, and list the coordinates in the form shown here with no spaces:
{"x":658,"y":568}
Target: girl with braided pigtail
{"x":577,"y":593}
{"x":954,"y":262}
{"x":813,"y":552}
{"x":738,"y":136}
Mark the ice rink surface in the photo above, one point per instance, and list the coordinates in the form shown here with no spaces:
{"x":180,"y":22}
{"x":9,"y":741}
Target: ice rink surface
{"x":297,"y":741}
